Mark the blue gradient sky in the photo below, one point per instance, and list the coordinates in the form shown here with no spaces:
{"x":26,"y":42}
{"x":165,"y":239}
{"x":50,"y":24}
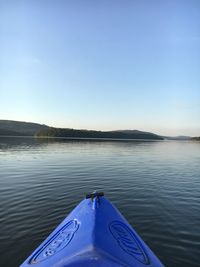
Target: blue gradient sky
{"x":106,"y":64}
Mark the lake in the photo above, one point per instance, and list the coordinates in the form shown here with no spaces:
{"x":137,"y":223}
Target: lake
{"x":155,"y":185}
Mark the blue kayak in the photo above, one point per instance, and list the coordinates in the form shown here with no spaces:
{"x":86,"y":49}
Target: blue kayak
{"x":93,"y":234}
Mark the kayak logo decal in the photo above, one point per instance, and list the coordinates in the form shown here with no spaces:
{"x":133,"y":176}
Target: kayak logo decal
{"x":56,"y":243}
{"x":129,"y":241}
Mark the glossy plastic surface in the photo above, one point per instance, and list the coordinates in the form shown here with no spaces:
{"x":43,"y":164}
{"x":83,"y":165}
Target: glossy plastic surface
{"x":94,"y":234}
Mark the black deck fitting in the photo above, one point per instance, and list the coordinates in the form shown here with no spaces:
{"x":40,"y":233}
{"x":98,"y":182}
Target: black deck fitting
{"x":94,"y":194}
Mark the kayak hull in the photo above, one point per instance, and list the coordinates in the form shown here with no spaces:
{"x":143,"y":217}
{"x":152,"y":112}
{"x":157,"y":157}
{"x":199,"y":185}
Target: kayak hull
{"x":94,"y":234}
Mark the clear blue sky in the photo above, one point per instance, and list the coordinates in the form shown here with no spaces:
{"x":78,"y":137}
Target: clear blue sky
{"x":109,"y":64}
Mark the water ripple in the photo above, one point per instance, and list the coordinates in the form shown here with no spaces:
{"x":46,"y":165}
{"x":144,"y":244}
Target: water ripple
{"x":156,"y":186}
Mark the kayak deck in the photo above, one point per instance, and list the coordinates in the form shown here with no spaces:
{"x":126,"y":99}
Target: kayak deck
{"x":93,"y":234}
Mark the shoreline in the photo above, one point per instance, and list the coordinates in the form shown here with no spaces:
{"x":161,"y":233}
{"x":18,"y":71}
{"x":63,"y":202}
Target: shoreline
{"x":82,"y":138}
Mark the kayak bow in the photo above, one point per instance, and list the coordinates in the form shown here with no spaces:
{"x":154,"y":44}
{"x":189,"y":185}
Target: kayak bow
{"x":93,"y":234}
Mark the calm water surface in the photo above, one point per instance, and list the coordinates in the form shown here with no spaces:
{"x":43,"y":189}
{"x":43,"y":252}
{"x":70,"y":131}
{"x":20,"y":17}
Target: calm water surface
{"x":156,"y":186}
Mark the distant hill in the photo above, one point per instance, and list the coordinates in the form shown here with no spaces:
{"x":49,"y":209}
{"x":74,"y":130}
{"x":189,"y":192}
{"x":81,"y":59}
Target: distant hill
{"x":195,"y":138}
{"x":60,"y":132}
{"x":17,"y":128}
{"x":140,"y":133}
{"x":4,"y":132}
{"x":181,"y":137}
